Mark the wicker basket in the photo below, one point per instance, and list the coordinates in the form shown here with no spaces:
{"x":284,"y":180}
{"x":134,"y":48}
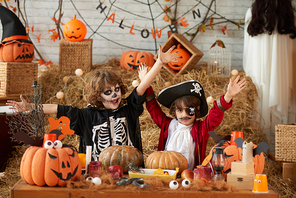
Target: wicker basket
{"x":75,"y":55}
{"x":285,"y":142}
{"x":195,"y":54}
{"x":17,"y":77}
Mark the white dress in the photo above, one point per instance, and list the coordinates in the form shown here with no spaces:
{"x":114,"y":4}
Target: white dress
{"x":270,"y":60}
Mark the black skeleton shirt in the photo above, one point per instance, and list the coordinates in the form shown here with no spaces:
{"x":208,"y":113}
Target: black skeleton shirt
{"x":101,"y":128}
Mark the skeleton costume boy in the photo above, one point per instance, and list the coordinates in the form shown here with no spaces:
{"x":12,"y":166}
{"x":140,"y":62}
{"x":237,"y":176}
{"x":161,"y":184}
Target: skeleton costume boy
{"x":102,"y":127}
{"x":189,"y":140}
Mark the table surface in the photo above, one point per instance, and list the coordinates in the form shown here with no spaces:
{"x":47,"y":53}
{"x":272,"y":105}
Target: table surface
{"x":23,"y":190}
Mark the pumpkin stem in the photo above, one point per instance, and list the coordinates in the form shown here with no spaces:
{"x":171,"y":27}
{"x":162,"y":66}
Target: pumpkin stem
{"x":74,"y":17}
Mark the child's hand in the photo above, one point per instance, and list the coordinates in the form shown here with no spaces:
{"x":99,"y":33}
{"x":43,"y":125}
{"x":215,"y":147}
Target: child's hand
{"x":167,"y":57}
{"x":18,"y":106}
{"x":234,"y":88}
{"x":143,"y":69}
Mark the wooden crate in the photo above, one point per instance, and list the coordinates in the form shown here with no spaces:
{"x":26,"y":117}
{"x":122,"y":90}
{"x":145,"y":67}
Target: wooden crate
{"x":17,"y":77}
{"x":75,"y":55}
{"x":285,"y":141}
{"x":238,"y":167}
{"x":195,"y":54}
{"x":241,"y":181}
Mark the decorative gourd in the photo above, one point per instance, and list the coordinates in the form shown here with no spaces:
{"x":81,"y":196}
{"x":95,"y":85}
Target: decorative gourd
{"x":131,"y":60}
{"x":50,"y":167}
{"x":17,"y":51}
{"x":74,"y":30}
{"x":166,"y":160}
{"x":184,"y":57}
{"x":121,"y":155}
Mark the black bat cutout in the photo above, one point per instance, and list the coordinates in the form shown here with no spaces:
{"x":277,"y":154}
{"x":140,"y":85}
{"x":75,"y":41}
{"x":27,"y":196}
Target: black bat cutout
{"x":261,"y":147}
{"x":217,"y":138}
{"x":239,"y":142}
{"x":57,"y":132}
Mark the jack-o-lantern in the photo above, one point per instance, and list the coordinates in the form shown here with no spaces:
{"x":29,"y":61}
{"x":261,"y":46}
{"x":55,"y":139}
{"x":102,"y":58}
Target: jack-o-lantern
{"x":74,"y":30}
{"x":131,"y":60}
{"x":42,"y":166}
{"x":17,"y":52}
{"x":182,"y":59}
{"x":15,"y":46}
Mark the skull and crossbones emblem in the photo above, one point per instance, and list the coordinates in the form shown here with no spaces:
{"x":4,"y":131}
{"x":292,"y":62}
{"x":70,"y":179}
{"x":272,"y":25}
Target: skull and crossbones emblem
{"x":197,"y":88}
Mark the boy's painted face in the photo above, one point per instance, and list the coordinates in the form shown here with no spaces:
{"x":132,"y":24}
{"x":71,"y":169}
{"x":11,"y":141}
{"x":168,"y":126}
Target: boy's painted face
{"x":111,"y":96}
{"x":185,"y":115}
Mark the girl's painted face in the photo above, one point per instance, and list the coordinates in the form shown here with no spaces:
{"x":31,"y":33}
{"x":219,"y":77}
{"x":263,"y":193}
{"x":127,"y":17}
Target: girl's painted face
{"x":185,"y":115}
{"x":111,"y":96}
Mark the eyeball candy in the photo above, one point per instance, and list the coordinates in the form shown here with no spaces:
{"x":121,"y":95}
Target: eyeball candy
{"x":186,"y":183}
{"x":97,"y":181}
{"x":174,"y":184}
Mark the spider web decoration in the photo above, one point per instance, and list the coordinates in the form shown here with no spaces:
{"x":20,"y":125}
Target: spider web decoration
{"x":28,"y":126}
{"x":117,"y":12}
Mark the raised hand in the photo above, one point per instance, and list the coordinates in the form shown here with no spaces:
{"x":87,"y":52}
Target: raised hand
{"x":234,"y":88}
{"x":18,"y":106}
{"x":167,"y":57}
{"x":143,"y":69}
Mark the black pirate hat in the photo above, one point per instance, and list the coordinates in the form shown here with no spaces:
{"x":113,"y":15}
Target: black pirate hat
{"x":192,"y":87}
{"x":13,"y":29}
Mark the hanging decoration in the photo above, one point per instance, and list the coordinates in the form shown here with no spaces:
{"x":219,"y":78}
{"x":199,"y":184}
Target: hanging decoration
{"x":219,"y":59}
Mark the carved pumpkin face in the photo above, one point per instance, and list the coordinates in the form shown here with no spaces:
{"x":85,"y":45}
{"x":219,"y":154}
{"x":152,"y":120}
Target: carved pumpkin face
{"x":131,"y":60}
{"x":17,"y":52}
{"x":50,"y":167}
{"x":74,"y":30}
{"x":184,"y":57}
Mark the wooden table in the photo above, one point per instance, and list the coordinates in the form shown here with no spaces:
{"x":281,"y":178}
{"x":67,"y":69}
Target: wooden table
{"x":24,"y":190}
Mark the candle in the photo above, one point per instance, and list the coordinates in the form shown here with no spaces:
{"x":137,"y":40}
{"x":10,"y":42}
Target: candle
{"x":247,"y":152}
{"x":88,"y":158}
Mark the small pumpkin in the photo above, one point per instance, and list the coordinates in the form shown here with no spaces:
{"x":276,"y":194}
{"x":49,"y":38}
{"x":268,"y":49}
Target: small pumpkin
{"x":17,"y":51}
{"x":42,"y":166}
{"x":121,"y":155}
{"x":182,"y":59}
{"x":166,"y":160}
{"x":131,"y":60}
{"x":74,"y":30}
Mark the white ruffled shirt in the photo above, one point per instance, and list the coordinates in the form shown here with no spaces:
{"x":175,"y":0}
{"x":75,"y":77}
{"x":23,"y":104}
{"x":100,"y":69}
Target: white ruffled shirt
{"x":180,"y":140}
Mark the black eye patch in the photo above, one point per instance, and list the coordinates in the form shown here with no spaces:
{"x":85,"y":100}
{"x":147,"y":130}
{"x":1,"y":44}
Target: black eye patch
{"x":190,"y":111}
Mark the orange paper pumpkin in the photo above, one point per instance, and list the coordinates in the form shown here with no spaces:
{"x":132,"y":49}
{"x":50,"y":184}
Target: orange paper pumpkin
{"x":52,"y":167}
{"x":234,"y":153}
{"x":184,"y":57}
{"x":131,"y":60}
{"x":17,"y":51}
{"x":74,"y":30}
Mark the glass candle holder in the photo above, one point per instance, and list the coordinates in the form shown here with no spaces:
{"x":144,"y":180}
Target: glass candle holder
{"x":203,"y":172}
{"x":94,"y":167}
{"x":218,"y":163}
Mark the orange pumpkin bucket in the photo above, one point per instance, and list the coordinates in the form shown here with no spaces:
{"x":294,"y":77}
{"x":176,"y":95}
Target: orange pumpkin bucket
{"x":260,"y":184}
{"x":234,"y":135}
{"x":49,"y":136}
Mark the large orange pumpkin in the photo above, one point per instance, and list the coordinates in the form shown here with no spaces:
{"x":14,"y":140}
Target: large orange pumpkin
{"x":121,"y":155}
{"x":182,"y":59}
{"x":131,"y":60}
{"x":166,"y":160}
{"x":74,"y":30}
{"x":17,"y":51}
{"x":50,"y":167}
